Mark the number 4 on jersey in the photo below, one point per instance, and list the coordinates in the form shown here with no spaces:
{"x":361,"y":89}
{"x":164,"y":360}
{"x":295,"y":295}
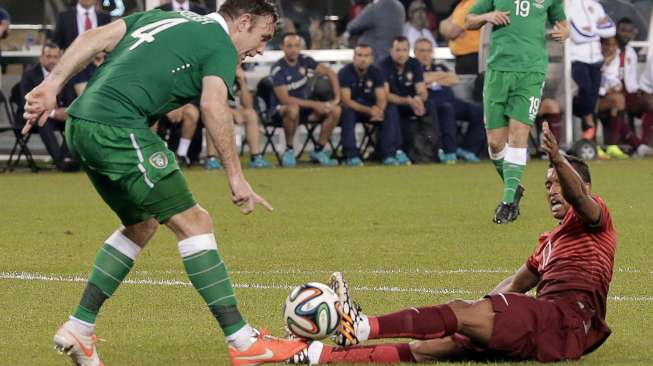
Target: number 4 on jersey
{"x":146,"y":33}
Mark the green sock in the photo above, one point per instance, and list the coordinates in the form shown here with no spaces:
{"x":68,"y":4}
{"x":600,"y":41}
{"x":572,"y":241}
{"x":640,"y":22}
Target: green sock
{"x":498,"y":165}
{"x":512,"y":177}
{"x":109,"y":270}
{"x":209,"y":276}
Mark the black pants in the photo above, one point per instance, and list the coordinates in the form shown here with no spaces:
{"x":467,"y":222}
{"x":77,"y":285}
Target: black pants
{"x":588,"y":79}
{"x":59,"y":152}
{"x":467,"y":64}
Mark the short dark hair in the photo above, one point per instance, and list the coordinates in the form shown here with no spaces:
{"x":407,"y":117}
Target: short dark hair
{"x":400,"y":39}
{"x":232,"y":9}
{"x":49,"y":44}
{"x":289,"y":34}
{"x":625,"y":20}
{"x":580,"y":166}
{"x":362,"y":45}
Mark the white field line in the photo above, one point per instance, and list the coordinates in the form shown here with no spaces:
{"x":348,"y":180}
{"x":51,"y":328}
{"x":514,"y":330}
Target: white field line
{"x":417,"y":271}
{"x":27,"y":276}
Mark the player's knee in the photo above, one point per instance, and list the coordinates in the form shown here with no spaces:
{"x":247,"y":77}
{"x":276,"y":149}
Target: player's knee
{"x":336,"y":112}
{"x":618,"y":101}
{"x":191,"y":222}
{"x":141,"y":232}
{"x":291,"y":112}
{"x":250,"y":115}
{"x":192,"y":113}
{"x":496,"y":145}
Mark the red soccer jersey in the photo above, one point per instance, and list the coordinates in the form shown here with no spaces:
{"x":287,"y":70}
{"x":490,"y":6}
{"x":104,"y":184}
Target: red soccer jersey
{"x":575,"y":257}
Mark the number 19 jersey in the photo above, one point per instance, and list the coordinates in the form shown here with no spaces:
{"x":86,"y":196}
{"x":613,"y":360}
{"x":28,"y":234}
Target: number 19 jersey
{"x":521,"y":45}
{"x":157,"y":66}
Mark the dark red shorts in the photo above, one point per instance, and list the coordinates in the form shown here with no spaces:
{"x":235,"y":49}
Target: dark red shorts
{"x":528,"y":328}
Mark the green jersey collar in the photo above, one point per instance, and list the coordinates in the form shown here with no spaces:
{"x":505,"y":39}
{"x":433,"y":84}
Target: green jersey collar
{"x":220,"y":20}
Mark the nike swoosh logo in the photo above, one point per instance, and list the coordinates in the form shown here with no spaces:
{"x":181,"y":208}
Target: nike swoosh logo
{"x":263,"y":356}
{"x":87,"y":351}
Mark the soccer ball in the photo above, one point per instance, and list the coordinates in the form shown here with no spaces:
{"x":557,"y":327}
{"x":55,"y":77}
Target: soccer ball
{"x":311,"y":311}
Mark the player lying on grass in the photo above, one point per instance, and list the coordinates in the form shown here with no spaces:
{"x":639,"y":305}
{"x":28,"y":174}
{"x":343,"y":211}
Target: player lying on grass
{"x":158,"y":61}
{"x":571,"y":267}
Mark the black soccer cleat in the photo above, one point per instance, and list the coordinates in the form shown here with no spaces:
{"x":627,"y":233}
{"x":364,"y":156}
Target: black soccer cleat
{"x":183,"y":161}
{"x":519,"y":193}
{"x":505,"y":213}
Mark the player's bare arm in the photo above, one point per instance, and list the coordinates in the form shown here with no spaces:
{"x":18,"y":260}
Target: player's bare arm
{"x":521,"y":281}
{"x":476,"y":21}
{"x":323,"y":69}
{"x":572,"y":187}
{"x":43,"y":98}
{"x":219,"y":124}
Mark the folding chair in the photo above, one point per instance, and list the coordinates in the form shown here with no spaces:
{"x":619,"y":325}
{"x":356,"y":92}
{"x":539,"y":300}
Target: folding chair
{"x":368,"y":141}
{"x":320,"y":89}
{"x":264,"y":90}
{"x":20,"y":147}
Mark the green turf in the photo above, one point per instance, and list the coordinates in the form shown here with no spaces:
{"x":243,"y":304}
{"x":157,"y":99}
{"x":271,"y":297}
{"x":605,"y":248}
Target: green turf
{"x":409,"y":228}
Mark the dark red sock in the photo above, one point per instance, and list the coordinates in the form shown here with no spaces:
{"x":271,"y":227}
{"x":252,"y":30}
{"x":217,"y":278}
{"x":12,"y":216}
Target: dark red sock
{"x":614,"y":130}
{"x":416,"y":323}
{"x":647,"y":128}
{"x":381,"y":353}
{"x":555,"y":123}
{"x":628,"y":134}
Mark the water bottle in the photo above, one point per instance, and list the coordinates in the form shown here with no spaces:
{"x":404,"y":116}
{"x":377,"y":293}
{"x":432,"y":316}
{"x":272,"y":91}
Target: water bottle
{"x":29,"y":43}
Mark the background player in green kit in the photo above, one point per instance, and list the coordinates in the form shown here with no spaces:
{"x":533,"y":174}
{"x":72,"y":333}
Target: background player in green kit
{"x":514,"y":81}
{"x":158,"y":61}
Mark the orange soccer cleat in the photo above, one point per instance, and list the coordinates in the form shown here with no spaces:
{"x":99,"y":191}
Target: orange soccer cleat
{"x":266,"y":349}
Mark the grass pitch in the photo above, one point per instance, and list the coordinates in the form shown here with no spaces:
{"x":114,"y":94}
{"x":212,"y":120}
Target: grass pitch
{"x":404,"y":237}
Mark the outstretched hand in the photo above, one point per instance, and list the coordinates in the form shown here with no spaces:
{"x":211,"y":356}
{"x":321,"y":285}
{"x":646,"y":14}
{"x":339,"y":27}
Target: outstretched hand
{"x":38,"y":104}
{"x":549,"y":143}
{"x":244,"y":197}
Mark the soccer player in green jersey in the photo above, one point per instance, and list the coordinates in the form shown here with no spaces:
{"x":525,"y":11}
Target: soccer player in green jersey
{"x":158,"y":61}
{"x":514,"y":80}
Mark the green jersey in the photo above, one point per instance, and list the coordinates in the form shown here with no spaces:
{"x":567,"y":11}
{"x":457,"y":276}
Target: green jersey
{"x":157,"y":66}
{"x":521,"y":45}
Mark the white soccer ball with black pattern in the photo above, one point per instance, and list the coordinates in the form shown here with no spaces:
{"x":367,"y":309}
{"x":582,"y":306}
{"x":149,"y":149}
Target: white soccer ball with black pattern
{"x":311,"y":311}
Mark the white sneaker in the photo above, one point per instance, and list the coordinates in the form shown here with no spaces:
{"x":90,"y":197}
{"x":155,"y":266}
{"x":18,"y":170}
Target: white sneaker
{"x":353,"y":328}
{"x":80,"y":348}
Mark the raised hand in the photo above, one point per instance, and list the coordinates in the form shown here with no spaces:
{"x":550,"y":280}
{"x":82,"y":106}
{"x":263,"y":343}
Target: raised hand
{"x":549,"y":143}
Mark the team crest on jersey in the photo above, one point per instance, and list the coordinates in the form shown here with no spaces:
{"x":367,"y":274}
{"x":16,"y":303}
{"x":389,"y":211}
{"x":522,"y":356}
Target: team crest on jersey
{"x":302,"y":71}
{"x":159,"y":160}
{"x":539,"y":3}
{"x":590,"y":9}
{"x":409,"y":76}
{"x":369,"y":83}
